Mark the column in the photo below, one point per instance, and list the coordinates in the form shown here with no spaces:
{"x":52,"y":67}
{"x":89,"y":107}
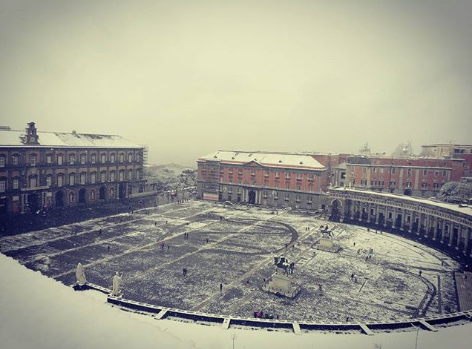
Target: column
{"x":451,"y":234}
{"x":435,"y":229}
{"x":394,"y":218}
{"x":459,"y":236}
{"x":377,"y":209}
{"x":467,"y":241}
{"x":427,"y":226}
{"x":360,"y":211}
{"x":443,"y":230}
{"x":412,"y":218}
{"x":402,"y":223}
{"x":368,"y":212}
{"x":418,"y":228}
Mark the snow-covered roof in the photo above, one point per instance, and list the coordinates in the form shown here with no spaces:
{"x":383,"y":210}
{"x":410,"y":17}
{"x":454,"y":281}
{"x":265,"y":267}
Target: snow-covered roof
{"x":269,"y":159}
{"x":465,"y":210}
{"x":12,"y":138}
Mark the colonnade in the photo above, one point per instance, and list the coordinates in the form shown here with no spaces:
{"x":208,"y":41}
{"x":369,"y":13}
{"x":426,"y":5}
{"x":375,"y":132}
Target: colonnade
{"x":449,"y":225}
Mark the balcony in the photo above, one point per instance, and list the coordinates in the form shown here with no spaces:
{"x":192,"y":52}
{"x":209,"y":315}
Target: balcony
{"x":44,"y":187}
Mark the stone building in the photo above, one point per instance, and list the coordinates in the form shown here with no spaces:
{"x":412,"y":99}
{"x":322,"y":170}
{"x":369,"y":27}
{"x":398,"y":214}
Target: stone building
{"x":263,"y":178}
{"x":446,"y":226}
{"x":45,"y":170}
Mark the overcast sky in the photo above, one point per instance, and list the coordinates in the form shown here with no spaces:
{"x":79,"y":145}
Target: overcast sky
{"x":191,"y":77}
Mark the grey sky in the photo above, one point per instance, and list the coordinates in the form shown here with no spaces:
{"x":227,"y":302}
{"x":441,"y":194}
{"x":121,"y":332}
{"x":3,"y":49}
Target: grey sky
{"x":190,"y":77}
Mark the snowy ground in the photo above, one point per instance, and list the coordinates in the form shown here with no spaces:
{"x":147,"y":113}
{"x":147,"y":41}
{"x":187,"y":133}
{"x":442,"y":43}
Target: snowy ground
{"x":239,"y":254}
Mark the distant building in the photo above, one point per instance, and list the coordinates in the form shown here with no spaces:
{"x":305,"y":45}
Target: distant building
{"x":422,"y":177}
{"x":263,"y":178}
{"x":456,"y":151}
{"x":45,"y":170}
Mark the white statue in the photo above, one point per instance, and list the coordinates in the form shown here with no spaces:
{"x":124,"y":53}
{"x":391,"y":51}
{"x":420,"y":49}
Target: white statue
{"x":80,"y":275}
{"x":116,"y":284}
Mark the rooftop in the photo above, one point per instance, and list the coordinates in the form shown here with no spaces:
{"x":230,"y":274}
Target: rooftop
{"x":12,"y":138}
{"x":270,"y":159}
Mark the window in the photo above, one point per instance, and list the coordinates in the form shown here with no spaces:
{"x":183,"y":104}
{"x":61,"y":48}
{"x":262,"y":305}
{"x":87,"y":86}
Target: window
{"x":93,"y":177}
{"x":408,"y":184}
{"x":2,"y":161}
{"x":444,"y":173}
{"x":137,"y":157}
{"x":436,"y":186}
{"x":93,"y":158}
{"x":130,"y":157}
{"x":48,"y":158}
{"x":32,"y":159}
{"x":409,"y":172}
{"x":71,"y":197}
{"x":297,"y":198}
{"x":112,"y":192}
{"x":92,"y":194}
{"x":276,"y":195}
{"x":49,"y":181}
{"x":287,"y":196}
{"x":72,"y":179}
{"x":112,"y":158}
{"x":266,"y":173}
{"x":374,"y":169}
{"x":425,"y":172}
{"x":253,"y":173}
{"x":299,"y":176}
{"x":424,"y":185}
{"x":112,"y":176}
{"x":3,"y":186}
{"x":60,"y":159}
{"x":103,"y":158}
{"x":287,"y":185}
{"x":276,"y":174}
{"x":299,"y":186}
{"x":83,"y":158}
{"x":309,"y":199}
{"x":310,"y":187}
{"x":122,"y":157}
{"x":15,"y":159}
{"x":287,"y":175}
{"x":83,"y":177}
{"x":72,"y":159}
{"x":60,"y":180}
{"x":33,"y":182}
{"x":122,"y":175}
{"x":103,"y":177}
{"x":264,"y":194}
{"x":436,"y":173}
{"x":130,"y":175}
{"x":392,"y":170}
{"x":16,"y":183}
{"x":311,"y":176}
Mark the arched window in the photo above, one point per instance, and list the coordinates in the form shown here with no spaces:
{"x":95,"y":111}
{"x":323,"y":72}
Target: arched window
{"x":33,"y":181}
{"x":83,"y":177}
{"x":60,"y":180}
{"x":71,"y":159}
{"x":130,"y":157}
{"x":93,"y":177}
{"x":48,"y":180}
{"x":16,"y":183}
{"x":103,"y":158}
{"x":71,"y":197}
{"x":112,"y":176}
{"x":122,"y":157}
{"x":15,"y":159}
{"x":33,"y":159}
{"x":103,"y":176}
{"x":72,"y":179}
{"x":122,"y":175}
{"x":92,"y":194}
{"x":83,"y":158}
{"x":3,"y":160}
{"x":112,"y":192}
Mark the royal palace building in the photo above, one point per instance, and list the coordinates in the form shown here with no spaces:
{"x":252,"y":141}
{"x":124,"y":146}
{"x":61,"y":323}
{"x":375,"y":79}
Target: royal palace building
{"x":44,"y":170}
{"x":262,"y":178}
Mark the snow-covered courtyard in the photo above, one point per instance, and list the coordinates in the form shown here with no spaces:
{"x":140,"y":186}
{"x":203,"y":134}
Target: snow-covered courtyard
{"x":235,"y":247}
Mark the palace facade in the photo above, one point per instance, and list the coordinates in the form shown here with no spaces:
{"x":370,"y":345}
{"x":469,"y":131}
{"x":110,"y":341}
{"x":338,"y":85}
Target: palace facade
{"x":262,"y":178}
{"x":45,"y":170}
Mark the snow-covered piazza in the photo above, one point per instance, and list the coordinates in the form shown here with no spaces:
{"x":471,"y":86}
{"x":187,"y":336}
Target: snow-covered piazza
{"x":214,"y":259}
